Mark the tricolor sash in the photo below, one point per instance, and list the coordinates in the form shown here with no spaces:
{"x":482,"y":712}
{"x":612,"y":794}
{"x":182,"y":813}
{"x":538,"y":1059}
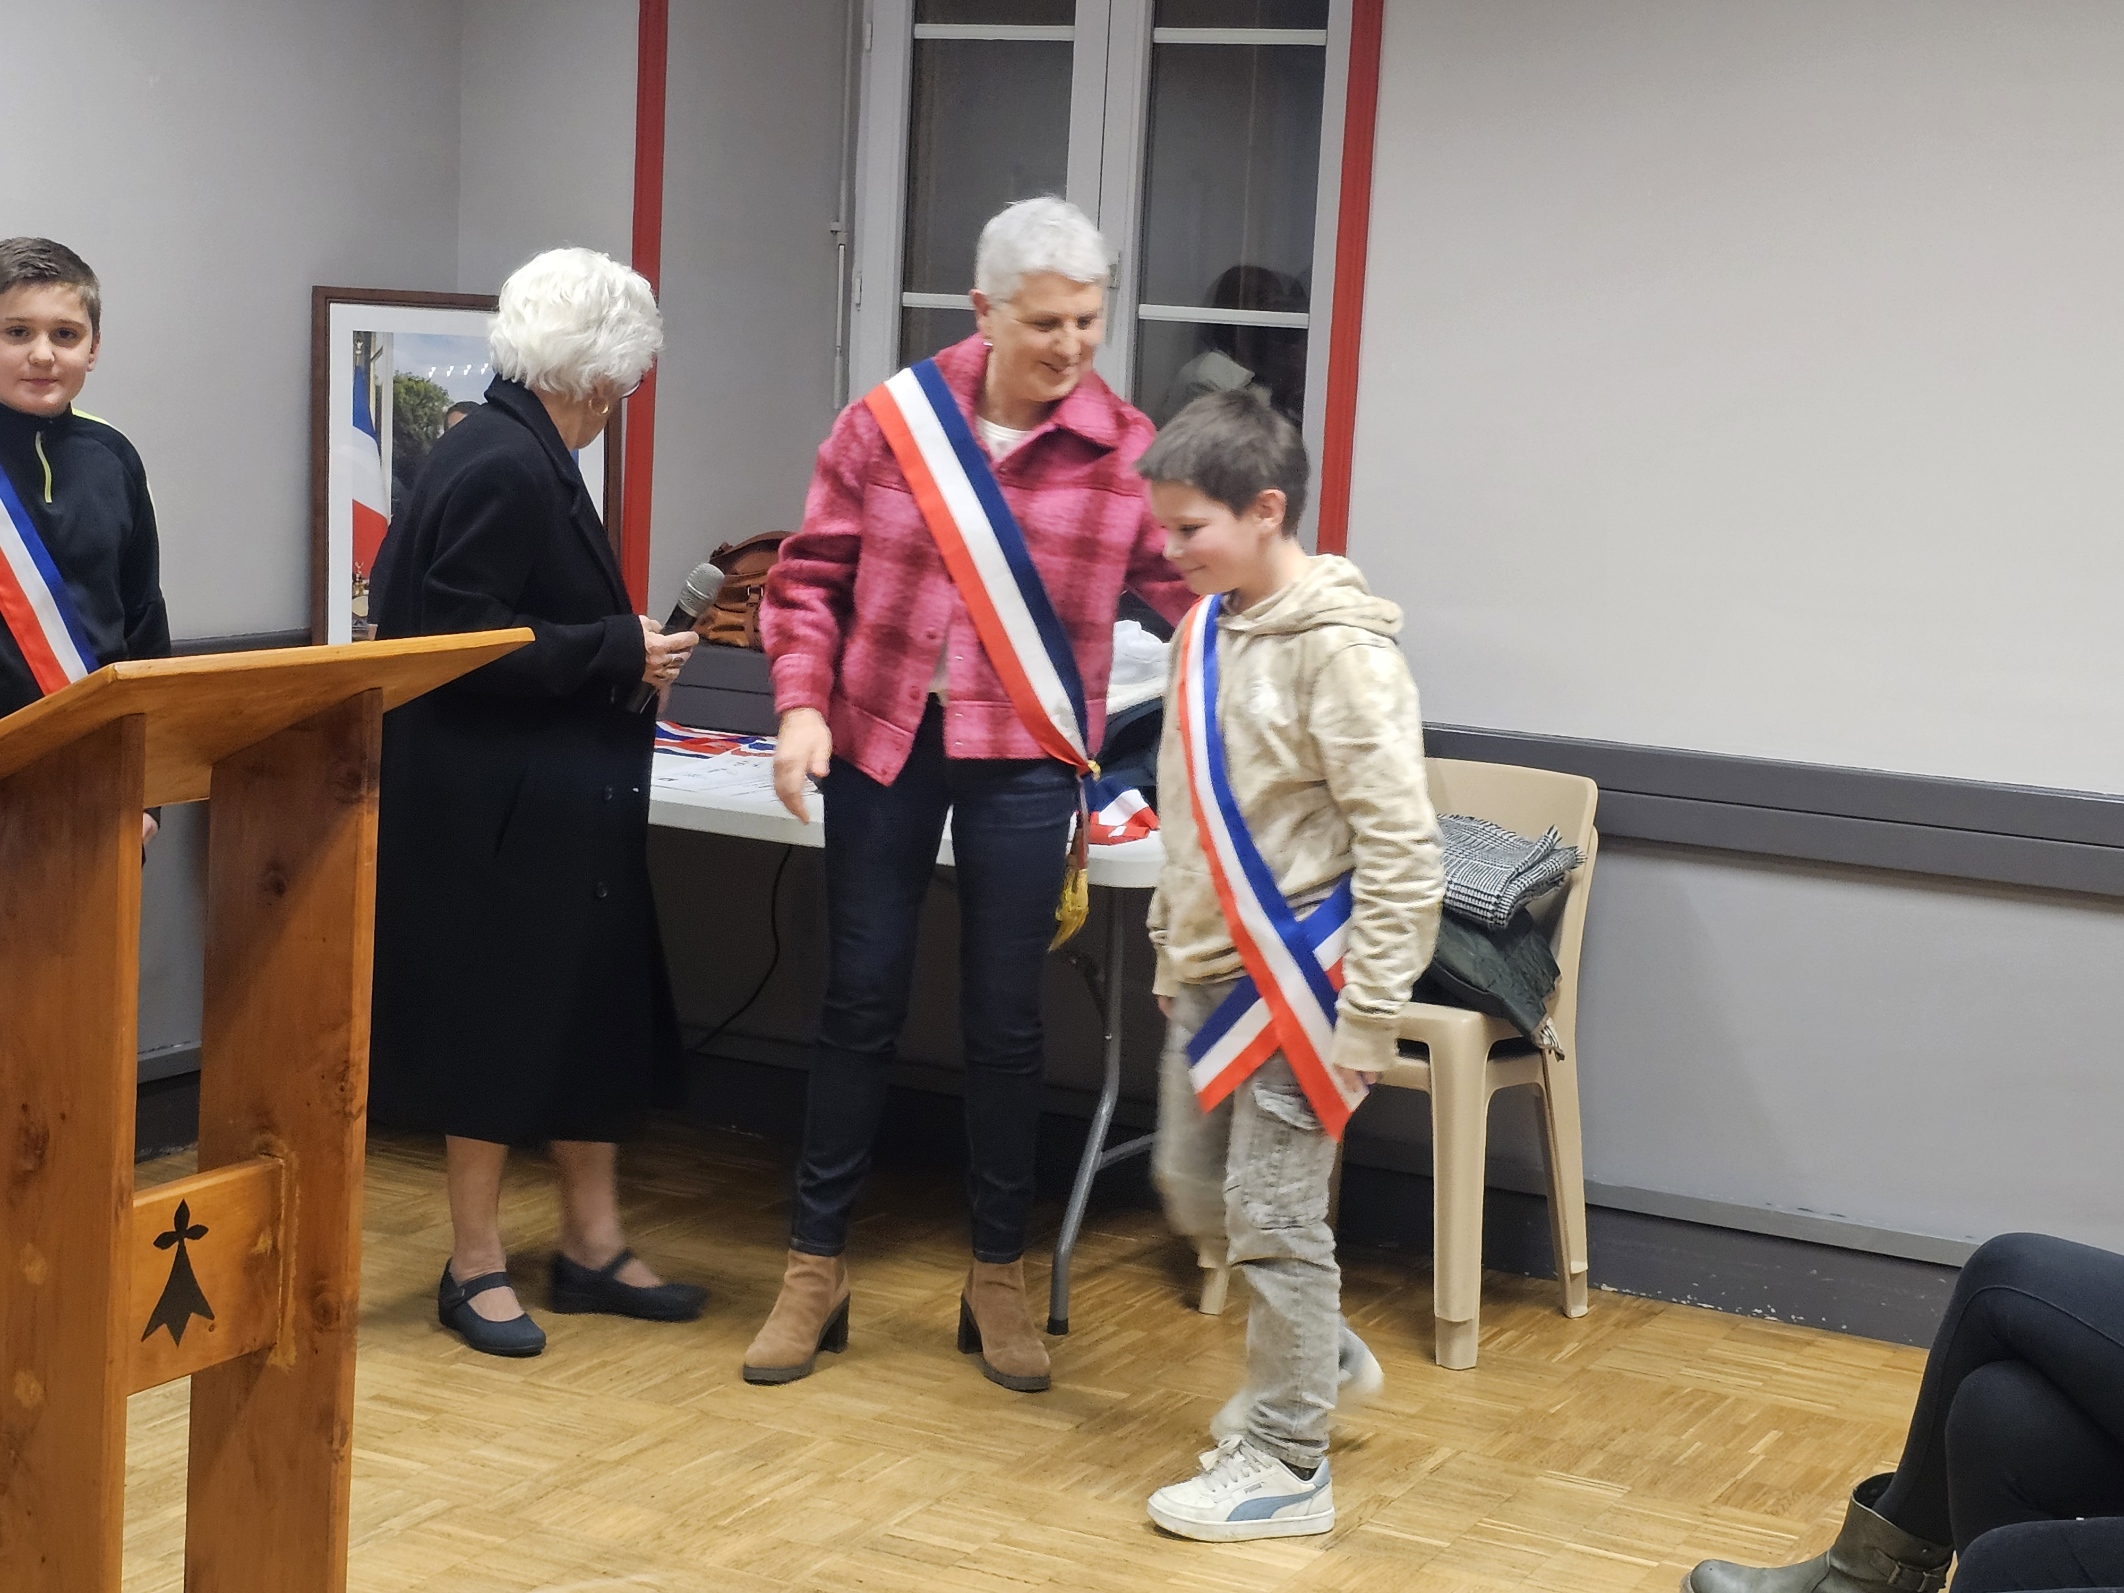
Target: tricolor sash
{"x":984,"y":550}
{"x":34,"y":605}
{"x":1118,"y":813}
{"x":1286,"y":1002}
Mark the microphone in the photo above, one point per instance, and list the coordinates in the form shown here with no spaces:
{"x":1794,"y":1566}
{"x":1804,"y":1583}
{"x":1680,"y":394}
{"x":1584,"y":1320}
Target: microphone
{"x":694,"y":598}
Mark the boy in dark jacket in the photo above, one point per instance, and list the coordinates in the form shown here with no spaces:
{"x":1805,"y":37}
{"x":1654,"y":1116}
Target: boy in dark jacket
{"x":80,"y":567}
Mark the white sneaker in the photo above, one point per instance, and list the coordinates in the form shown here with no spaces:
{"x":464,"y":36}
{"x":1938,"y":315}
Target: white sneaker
{"x":1243,"y":1493}
{"x":1359,"y":1378}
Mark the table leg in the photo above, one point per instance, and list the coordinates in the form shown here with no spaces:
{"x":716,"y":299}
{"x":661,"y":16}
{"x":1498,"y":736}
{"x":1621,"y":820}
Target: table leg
{"x":1109,"y":993}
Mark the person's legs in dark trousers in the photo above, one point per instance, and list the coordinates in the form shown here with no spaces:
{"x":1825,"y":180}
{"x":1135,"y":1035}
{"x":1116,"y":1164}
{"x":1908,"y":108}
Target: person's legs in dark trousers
{"x":881,"y":851}
{"x":2018,"y":1450}
{"x":1009,"y":840}
{"x":2055,"y":1306}
{"x":2045,"y":1557}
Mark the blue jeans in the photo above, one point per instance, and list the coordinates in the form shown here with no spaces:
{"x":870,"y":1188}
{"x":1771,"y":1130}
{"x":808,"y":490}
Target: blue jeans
{"x":1010,"y":835}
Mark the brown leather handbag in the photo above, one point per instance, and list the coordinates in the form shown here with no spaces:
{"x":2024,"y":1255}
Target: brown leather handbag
{"x":733,"y":619}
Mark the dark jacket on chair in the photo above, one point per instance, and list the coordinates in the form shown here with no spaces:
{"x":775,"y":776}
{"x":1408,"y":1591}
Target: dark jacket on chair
{"x":521,"y":993}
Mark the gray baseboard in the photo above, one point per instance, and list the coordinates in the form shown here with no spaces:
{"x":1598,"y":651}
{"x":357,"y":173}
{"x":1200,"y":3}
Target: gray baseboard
{"x":1865,"y":818}
{"x":246,"y":642}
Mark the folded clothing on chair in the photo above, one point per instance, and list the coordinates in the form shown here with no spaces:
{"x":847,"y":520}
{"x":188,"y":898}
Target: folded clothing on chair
{"x":1491,"y":872}
{"x":1509,"y":973}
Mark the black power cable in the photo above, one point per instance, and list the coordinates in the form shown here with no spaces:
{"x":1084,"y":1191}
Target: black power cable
{"x":774,"y":961}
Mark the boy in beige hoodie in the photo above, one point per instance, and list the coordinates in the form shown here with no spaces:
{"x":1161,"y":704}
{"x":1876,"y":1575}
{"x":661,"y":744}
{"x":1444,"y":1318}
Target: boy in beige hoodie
{"x":1322,"y":752}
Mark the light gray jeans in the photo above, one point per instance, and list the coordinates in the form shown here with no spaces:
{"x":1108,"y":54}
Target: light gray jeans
{"x":1252,"y":1176}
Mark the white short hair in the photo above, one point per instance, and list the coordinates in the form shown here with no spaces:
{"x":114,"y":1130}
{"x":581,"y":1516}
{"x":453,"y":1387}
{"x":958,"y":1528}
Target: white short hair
{"x":570,"y":318}
{"x":1035,"y":235}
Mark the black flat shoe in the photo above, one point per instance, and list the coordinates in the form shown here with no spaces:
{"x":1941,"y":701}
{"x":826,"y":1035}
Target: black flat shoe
{"x":519,"y":1337}
{"x":578,"y":1289}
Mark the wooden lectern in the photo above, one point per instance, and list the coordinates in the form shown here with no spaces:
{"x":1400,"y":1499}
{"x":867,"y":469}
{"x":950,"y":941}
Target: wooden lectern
{"x":245,"y":1276}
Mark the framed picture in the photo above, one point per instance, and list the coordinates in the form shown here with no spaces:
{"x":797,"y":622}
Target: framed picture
{"x":390,"y":372}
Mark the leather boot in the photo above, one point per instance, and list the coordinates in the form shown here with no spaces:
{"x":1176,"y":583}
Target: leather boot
{"x":996,"y":1325}
{"x":1871,"y":1555}
{"x":810,"y":1315}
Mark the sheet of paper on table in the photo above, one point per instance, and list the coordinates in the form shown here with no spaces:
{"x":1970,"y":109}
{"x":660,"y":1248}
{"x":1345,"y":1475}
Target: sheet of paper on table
{"x":713,"y":763}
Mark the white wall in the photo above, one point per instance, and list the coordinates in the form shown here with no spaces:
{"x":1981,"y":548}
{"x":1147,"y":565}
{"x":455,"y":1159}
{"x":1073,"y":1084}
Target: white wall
{"x":213,"y":161}
{"x":546,"y":153}
{"x":752,"y":176}
{"x":1750,"y":377}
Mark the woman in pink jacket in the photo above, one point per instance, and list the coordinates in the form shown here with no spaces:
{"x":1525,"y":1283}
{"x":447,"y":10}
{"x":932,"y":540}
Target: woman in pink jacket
{"x":887,"y":697}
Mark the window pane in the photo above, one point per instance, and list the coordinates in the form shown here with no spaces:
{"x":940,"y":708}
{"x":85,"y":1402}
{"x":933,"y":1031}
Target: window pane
{"x":1177,"y":362}
{"x":989,"y":124}
{"x":1240,"y":14}
{"x":923,"y":332}
{"x":1017,"y":13}
{"x":1233,"y":167}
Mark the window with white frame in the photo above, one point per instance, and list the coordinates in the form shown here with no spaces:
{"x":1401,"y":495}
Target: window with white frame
{"x":1202,"y":135}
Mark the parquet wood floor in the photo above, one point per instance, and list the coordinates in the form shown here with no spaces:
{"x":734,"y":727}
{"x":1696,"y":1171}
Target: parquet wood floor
{"x":1580,"y":1457}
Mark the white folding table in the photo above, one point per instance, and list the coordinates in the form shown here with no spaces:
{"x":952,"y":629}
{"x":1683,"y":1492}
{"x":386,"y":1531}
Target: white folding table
{"x":1131,"y":866}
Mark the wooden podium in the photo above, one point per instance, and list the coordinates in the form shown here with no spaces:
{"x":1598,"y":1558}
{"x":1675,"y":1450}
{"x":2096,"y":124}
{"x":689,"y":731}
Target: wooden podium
{"x":245,"y":1276}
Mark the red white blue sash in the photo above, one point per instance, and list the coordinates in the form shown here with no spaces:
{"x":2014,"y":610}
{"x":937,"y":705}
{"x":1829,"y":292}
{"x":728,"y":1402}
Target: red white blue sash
{"x":1286,"y":1002}
{"x":34,"y":605}
{"x":985,"y":552}
{"x":1118,"y":813}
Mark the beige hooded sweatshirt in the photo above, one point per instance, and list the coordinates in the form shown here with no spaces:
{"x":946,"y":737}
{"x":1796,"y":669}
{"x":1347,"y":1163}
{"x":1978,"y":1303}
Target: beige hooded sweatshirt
{"x":1324,"y":744}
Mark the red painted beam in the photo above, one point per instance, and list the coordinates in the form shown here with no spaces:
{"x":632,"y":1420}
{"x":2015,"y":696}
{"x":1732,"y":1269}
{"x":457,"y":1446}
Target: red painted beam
{"x":1353,"y":228}
{"x":639,"y":436}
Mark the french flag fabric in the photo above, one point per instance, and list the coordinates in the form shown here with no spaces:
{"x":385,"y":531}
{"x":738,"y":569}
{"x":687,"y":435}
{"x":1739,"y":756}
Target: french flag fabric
{"x":1118,"y":813}
{"x":361,"y":455}
{"x":34,"y":603}
{"x":1287,"y":1001}
{"x":985,"y":552}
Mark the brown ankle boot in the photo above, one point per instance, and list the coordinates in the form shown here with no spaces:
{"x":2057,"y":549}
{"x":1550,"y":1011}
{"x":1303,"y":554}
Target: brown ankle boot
{"x":996,"y":1325}
{"x":810,"y":1315}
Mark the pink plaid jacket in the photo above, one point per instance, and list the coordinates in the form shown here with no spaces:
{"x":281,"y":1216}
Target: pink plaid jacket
{"x":860,"y":600}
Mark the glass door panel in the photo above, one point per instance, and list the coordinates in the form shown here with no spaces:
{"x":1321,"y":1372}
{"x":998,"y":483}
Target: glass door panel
{"x":988,"y":123}
{"x":1311,"y":15}
{"x":1231,"y":179}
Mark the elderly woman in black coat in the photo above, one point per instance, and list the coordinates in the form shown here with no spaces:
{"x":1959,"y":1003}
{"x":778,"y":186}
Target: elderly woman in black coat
{"x":521,"y":997}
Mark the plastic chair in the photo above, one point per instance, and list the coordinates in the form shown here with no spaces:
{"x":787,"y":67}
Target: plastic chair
{"x":1462,"y":1058}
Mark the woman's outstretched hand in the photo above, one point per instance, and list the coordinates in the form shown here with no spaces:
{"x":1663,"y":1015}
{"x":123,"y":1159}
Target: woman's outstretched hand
{"x":803,"y":750}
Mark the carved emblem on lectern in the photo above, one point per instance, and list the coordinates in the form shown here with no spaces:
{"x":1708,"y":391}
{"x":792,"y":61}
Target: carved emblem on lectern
{"x":182,"y":1298}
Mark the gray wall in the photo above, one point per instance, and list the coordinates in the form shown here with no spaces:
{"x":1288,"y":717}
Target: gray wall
{"x":546,"y":138}
{"x":213,"y":161}
{"x":753,"y":164}
{"x":1743,"y":377}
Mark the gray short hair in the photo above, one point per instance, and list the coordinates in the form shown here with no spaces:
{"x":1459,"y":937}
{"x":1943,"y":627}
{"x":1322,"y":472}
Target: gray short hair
{"x":1232,"y":447}
{"x":1035,"y":235}
{"x":570,"y":318}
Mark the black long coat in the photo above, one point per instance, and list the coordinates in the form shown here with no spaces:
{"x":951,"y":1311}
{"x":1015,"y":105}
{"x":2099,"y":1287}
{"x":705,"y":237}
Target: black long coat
{"x":521,"y":993}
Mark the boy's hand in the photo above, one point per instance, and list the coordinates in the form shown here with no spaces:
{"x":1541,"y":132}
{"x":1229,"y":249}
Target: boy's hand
{"x":148,"y":827}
